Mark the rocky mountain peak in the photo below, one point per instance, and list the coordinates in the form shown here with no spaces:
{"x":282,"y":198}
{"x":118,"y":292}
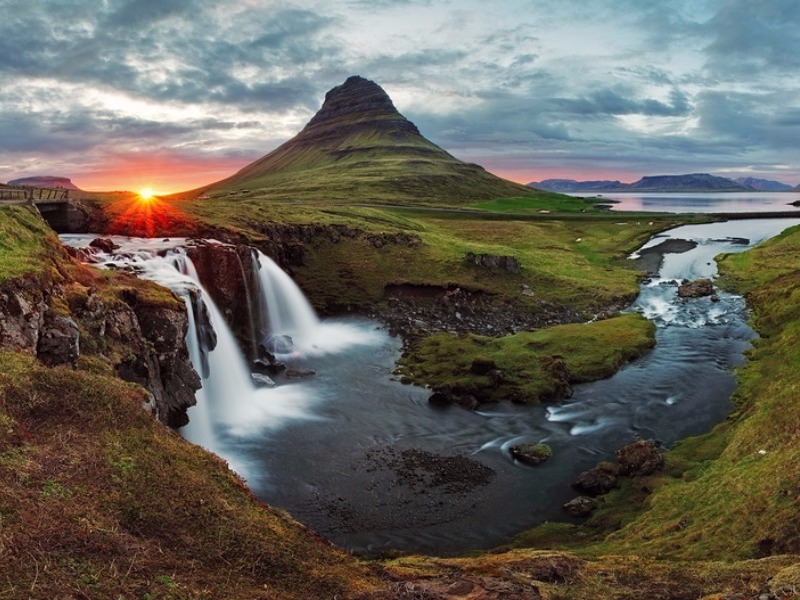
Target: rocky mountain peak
{"x":357,"y":98}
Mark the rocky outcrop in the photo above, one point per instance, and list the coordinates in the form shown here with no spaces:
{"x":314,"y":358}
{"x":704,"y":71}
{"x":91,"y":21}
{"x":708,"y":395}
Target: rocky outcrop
{"x":639,"y":458}
{"x":531,"y":454}
{"x":580,"y":506}
{"x":143,"y":343}
{"x":22,"y":309}
{"x":597,"y":480}
{"x":696,"y":289}
{"x":493,"y":262}
{"x":227,"y":272}
{"x":59,"y":341}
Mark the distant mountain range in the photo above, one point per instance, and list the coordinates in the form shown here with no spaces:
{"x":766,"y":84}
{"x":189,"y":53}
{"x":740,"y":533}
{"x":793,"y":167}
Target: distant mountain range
{"x":46,"y":181}
{"x":692,"y":182}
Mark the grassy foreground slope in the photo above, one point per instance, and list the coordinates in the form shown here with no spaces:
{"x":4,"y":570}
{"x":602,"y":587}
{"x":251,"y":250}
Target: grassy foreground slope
{"x":99,"y":500}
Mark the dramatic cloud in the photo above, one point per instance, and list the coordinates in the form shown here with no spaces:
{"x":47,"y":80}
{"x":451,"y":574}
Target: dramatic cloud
{"x":187,"y":91}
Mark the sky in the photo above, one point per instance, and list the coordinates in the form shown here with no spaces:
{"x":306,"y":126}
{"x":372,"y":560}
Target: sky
{"x":175,"y":94}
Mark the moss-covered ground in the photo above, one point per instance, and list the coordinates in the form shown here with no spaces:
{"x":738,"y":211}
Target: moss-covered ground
{"x":588,"y":351}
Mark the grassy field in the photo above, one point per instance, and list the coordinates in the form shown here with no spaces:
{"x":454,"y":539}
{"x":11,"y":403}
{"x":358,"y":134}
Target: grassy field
{"x":25,"y":241}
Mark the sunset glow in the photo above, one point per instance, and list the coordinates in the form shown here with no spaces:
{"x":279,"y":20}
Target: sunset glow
{"x":147,"y":217}
{"x":146,"y":193}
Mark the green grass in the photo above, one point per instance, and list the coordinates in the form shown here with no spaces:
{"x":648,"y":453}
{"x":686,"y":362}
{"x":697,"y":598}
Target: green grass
{"x":25,"y":243}
{"x":554,"y":203}
{"x":531,"y":362}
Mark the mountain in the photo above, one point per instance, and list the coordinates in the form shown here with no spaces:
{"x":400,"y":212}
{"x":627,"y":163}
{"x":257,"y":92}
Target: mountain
{"x":693,"y":182}
{"x":358,"y":147}
{"x":46,"y":181}
{"x":570,"y":185}
{"x":764,"y":185}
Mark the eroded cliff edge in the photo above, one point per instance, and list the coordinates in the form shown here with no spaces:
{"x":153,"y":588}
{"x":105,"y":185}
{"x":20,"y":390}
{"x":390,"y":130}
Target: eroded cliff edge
{"x":67,"y":314}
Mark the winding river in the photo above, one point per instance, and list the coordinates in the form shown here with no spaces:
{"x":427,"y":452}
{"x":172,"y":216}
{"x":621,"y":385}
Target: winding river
{"x":366,"y":462}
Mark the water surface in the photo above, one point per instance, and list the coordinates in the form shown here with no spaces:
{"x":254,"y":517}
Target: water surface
{"x":698,"y":202}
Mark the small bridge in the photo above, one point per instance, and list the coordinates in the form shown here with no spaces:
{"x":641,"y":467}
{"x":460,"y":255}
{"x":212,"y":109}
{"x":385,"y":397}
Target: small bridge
{"x":21,"y":194}
{"x":54,"y":204}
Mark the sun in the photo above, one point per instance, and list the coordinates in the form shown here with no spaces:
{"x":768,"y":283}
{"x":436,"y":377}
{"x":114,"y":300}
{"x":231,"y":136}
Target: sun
{"x":146,"y":193}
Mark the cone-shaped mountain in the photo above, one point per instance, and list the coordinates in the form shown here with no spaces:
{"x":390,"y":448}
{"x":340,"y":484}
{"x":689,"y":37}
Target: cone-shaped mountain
{"x":358,"y":147}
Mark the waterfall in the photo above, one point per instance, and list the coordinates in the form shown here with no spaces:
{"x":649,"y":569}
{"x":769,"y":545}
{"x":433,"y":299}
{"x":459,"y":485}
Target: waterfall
{"x":287,"y":310}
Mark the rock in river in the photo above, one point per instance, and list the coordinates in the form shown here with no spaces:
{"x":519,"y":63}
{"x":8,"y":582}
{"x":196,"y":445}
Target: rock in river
{"x":696,"y":289}
{"x":531,"y":454}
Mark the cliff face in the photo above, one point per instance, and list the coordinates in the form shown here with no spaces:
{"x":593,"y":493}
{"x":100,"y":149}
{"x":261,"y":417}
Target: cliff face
{"x":70,"y":314}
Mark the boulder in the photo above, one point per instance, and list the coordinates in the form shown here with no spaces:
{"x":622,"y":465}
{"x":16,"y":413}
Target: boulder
{"x":268,"y":368}
{"x":440,"y":399}
{"x":696,"y":289}
{"x":639,"y":458}
{"x":262,"y":380}
{"x":580,"y":506}
{"x":493,"y":262}
{"x":531,"y":454}
{"x":59,"y":341}
{"x":597,"y":480}
{"x":104,"y":244}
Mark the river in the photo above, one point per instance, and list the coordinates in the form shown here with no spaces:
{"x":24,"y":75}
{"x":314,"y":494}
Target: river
{"x":366,"y":462}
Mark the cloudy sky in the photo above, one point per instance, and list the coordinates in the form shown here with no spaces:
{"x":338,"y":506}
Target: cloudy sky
{"x":173,"y":94}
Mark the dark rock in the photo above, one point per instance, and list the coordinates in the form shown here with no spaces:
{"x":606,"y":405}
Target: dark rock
{"x":580,"y":506}
{"x":696,"y":289}
{"x":262,"y":380}
{"x":298,"y":373}
{"x":597,"y":480}
{"x":104,"y":244}
{"x":493,"y":262}
{"x":227,"y":271}
{"x":714,"y":298}
{"x":482,"y":366}
{"x":21,"y":319}
{"x":468,"y":401}
{"x":169,"y":374}
{"x":440,"y":399}
{"x":268,"y":368}
{"x":557,"y":369}
{"x":531,"y":454}
{"x":639,"y":458}
{"x":59,"y":342}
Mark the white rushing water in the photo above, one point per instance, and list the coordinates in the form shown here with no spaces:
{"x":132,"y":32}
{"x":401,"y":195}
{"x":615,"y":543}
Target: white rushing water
{"x":229,"y":404}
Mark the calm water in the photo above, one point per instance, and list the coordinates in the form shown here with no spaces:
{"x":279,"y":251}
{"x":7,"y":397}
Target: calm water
{"x":716,"y":202}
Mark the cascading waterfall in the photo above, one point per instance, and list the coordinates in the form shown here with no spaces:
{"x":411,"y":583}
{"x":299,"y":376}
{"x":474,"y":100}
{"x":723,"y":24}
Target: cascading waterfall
{"x":229,"y":404}
{"x":287,"y":310}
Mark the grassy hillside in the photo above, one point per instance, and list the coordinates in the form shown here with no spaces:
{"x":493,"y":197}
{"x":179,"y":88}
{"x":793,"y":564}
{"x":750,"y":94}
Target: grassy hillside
{"x":99,"y":500}
{"x":359,"y":148}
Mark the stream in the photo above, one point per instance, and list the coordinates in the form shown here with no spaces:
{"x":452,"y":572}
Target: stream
{"x":366,"y":462}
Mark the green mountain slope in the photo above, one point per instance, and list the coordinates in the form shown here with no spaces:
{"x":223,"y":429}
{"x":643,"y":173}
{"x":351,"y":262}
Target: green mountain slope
{"x":359,"y":148}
